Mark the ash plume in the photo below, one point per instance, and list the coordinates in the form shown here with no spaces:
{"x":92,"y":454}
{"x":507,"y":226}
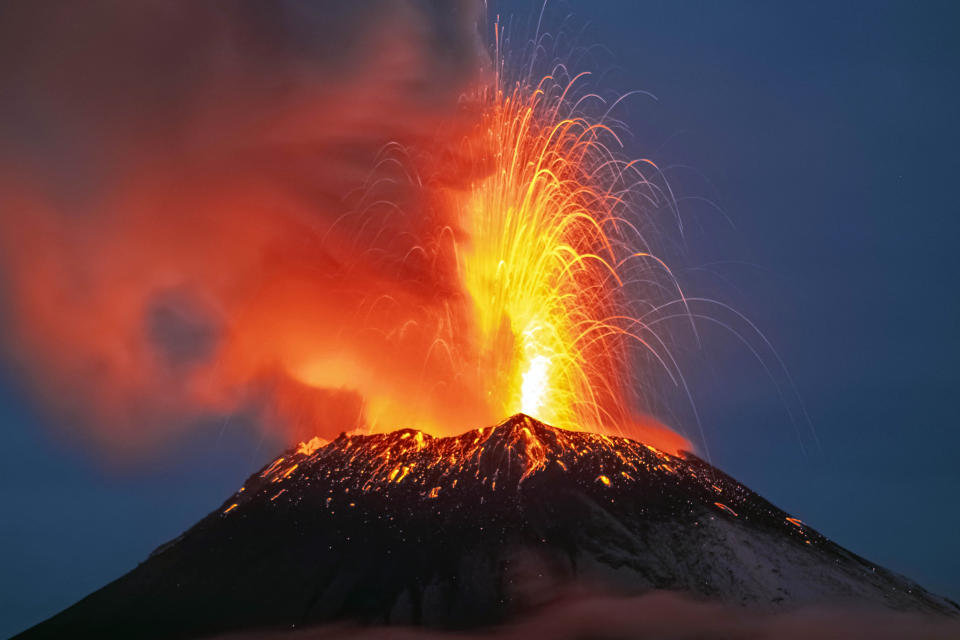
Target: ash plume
{"x":219,"y":207}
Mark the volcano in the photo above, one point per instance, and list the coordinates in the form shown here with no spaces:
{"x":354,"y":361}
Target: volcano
{"x":405,"y":528}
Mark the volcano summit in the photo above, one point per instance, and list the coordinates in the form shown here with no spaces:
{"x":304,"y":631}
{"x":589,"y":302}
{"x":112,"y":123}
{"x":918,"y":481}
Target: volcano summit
{"x":405,"y":528}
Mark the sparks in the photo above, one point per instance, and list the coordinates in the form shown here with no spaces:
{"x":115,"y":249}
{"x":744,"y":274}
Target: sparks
{"x":555,"y":262}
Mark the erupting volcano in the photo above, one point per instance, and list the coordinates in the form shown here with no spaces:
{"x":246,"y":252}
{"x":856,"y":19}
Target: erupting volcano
{"x":406,"y":528}
{"x":350,"y":233}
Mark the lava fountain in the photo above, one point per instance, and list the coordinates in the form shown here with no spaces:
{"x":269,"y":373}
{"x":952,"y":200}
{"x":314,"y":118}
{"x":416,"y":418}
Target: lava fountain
{"x":557,"y":266}
{"x":554,"y":262}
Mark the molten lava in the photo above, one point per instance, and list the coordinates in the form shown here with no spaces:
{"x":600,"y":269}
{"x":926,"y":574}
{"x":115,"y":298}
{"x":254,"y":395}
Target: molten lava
{"x":554,"y":260}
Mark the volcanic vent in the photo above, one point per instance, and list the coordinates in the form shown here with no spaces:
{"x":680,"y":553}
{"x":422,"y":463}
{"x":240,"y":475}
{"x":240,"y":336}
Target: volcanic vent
{"x":405,"y":528}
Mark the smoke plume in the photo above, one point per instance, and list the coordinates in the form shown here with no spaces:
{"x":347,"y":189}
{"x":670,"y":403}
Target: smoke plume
{"x":245,"y":207}
{"x":220,"y":207}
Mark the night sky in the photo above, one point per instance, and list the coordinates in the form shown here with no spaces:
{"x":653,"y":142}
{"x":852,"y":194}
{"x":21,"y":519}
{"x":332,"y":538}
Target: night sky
{"x":812,"y":146}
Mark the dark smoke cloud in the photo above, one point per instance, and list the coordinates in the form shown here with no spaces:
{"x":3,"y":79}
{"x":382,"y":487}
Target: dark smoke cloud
{"x":659,"y":616}
{"x":213,"y":207}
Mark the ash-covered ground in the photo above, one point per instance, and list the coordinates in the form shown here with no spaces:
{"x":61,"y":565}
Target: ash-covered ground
{"x":492,"y":527}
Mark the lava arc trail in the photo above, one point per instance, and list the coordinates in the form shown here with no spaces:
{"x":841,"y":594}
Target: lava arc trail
{"x":557,"y":266}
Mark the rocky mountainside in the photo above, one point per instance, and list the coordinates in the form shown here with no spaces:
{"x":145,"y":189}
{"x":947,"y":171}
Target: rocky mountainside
{"x":405,"y":528}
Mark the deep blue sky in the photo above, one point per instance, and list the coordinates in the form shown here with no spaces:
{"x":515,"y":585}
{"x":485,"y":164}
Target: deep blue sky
{"x":827,"y":134}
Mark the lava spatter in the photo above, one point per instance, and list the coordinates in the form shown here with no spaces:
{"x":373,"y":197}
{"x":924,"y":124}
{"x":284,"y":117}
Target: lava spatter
{"x":493,"y":460}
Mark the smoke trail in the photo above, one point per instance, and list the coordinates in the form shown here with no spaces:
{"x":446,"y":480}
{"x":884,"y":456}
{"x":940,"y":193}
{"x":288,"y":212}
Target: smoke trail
{"x":202,"y":213}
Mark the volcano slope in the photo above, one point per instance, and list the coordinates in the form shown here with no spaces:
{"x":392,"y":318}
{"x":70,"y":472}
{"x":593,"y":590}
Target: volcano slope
{"x":405,"y":528}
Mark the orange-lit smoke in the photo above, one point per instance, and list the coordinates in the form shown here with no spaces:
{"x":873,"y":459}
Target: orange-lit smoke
{"x":209,"y":209}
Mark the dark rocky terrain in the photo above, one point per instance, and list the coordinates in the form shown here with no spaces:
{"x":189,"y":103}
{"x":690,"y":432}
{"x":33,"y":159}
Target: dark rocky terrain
{"x":405,"y":528}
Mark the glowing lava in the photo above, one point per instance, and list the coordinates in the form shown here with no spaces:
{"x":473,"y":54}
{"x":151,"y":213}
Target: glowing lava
{"x":494,"y":461}
{"x":556,"y":262}
{"x":535,"y":385}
